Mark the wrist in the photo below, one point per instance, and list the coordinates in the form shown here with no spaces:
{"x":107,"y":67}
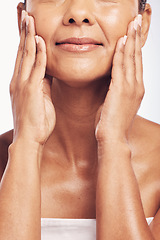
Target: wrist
{"x":110,"y":139}
{"x":25,"y":150}
{"x":110,"y":134}
{"x":114,"y":150}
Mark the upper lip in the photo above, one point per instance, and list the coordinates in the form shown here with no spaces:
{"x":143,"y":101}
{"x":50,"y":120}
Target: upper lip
{"x":79,"y":41}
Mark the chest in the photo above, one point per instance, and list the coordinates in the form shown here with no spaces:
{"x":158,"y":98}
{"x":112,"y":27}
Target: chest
{"x":66,"y":194}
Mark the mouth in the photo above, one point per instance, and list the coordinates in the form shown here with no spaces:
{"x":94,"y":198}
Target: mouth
{"x":79,"y":44}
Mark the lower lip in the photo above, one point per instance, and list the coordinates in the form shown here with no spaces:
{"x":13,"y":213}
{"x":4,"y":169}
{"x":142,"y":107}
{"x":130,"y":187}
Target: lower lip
{"x":78,"y":48}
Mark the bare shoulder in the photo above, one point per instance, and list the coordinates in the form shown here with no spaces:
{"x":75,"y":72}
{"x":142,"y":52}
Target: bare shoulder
{"x":144,"y":140}
{"x":5,"y":141}
{"x":145,"y":143}
{"x":145,"y":135}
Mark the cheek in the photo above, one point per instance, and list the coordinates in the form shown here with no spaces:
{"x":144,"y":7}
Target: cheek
{"x":44,"y":28}
{"x":114,"y":23}
{"x":45,"y":23}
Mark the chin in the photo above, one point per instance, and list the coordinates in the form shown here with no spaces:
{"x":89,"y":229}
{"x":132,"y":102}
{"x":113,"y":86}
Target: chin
{"x":78,"y":80}
{"x":79,"y":74}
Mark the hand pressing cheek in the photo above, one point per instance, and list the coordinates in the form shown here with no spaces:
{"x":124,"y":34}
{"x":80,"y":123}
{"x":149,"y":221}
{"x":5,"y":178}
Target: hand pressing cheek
{"x":33,"y":111}
{"x":126,"y":89}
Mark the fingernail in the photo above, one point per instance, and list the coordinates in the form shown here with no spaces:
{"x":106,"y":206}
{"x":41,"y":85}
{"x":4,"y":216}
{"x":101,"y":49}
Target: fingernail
{"x":27,"y":20}
{"x":23,"y":15}
{"x":37,"y":39}
{"x":135,"y":24}
{"x":124,"y":39}
{"x":139,"y":19}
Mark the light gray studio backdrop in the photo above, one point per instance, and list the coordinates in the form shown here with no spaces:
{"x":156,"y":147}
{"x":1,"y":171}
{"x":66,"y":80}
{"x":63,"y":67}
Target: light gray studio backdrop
{"x":9,"y":39}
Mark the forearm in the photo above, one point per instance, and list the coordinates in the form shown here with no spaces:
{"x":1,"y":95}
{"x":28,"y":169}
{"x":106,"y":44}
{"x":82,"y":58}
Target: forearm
{"x":119,"y":208}
{"x":20,"y":206}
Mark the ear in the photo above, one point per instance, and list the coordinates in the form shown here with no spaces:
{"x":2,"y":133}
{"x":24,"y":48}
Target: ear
{"x":20,"y":7}
{"x":146,"y":20}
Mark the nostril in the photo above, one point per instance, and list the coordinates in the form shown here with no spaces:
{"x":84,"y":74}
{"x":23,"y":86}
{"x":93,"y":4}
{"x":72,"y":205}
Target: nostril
{"x":71,"y":20}
{"x":86,"y":20}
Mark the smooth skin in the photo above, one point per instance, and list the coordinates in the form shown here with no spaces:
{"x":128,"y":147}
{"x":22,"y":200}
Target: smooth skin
{"x":72,"y":143}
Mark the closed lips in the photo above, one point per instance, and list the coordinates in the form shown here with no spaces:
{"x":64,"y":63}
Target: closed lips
{"x":79,"y":41}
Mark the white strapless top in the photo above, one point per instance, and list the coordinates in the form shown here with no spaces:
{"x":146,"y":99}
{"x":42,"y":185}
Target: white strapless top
{"x":70,"y":229}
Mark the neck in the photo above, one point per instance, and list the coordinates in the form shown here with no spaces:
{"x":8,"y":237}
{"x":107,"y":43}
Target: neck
{"x":74,"y":133}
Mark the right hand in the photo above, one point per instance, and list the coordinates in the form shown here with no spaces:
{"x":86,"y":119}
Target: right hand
{"x":30,"y":89}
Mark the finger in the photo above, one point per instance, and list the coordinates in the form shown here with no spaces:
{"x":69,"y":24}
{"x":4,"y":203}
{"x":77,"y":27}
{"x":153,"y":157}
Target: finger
{"x":129,"y":54}
{"x":39,"y":68}
{"x":118,"y":68}
{"x":21,"y":44}
{"x":138,"y":52}
{"x":29,"y":52}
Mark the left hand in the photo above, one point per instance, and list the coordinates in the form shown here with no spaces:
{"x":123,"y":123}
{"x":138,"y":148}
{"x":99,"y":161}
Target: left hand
{"x":126,"y":90}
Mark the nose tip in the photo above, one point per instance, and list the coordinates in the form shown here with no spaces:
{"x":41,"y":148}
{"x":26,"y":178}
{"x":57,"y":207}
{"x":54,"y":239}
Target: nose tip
{"x":78,"y":14}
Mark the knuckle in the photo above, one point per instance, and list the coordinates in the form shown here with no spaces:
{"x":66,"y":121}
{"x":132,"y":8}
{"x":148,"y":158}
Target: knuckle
{"x":40,"y":51}
{"x":119,"y":51}
{"x":20,"y":49}
{"x":23,"y":27}
{"x":38,"y":63}
{"x":26,"y":52}
{"x":139,"y":32}
{"x":133,"y":35}
{"x":29,"y":37}
{"x":29,"y":50}
{"x":28,"y":34}
{"x":131,"y":56}
{"x":139,"y":52}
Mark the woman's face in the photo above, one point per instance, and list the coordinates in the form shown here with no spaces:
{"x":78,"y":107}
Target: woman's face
{"x":102,"y":21}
